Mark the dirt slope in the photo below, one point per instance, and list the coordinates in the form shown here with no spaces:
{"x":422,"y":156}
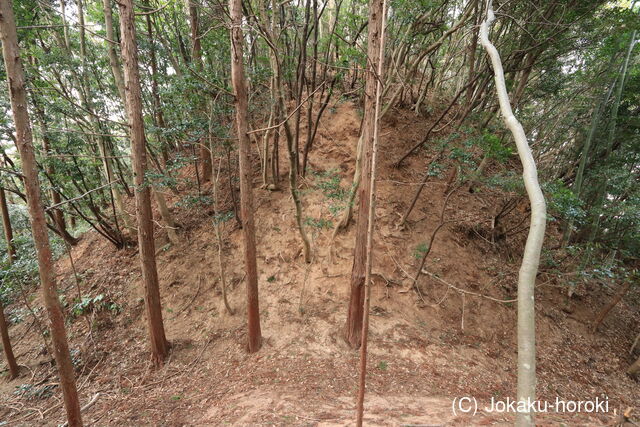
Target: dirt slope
{"x":423,"y":352}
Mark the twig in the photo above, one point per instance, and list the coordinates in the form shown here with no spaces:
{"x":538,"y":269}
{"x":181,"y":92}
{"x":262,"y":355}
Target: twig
{"x":290,"y":114}
{"x":464,"y":291}
{"x":635,"y":342}
{"x":82,"y":195}
{"x":86,"y":406}
{"x":200,"y":280}
{"x":151,"y":12}
{"x":462,"y":319}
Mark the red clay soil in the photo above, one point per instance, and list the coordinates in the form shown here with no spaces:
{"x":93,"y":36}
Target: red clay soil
{"x":424,"y":351}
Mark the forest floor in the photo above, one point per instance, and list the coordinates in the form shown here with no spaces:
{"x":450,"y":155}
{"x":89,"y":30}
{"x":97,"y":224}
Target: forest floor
{"x":423,"y":352}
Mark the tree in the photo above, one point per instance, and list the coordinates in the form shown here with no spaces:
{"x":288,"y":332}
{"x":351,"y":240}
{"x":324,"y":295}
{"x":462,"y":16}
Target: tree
{"x":24,"y":140}
{"x":11,"y":255}
{"x":196,"y":60}
{"x":146,"y":245}
{"x":246,"y":177}
{"x":353,"y":326}
{"x":526,"y":390}
{"x":6,"y":225}
{"x":6,"y":344}
{"x":371,"y":214}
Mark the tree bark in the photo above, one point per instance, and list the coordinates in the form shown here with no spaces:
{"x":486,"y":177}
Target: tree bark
{"x":614,"y":301}
{"x":12,"y":256}
{"x":146,"y":245}
{"x":634,"y":369}
{"x":371,"y":216}
{"x":157,"y":104}
{"x":353,"y":326}
{"x":111,"y":49}
{"x":246,"y":177}
{"x":6,"y":344}
{"x":526,"y":388}
{"x":196,"y":57}
{"x":24,"y":137}
{"x":6,"y":224}
{"x":166,"y":217}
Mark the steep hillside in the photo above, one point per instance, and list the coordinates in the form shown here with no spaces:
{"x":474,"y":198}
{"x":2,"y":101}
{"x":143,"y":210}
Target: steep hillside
{"x":455,"y":338}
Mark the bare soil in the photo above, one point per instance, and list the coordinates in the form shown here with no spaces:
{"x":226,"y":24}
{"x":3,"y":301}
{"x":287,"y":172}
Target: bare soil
{"x":424,"y":350}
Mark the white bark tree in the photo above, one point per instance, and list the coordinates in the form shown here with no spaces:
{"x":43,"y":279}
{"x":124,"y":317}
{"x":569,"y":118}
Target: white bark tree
{"x":526,"y":389}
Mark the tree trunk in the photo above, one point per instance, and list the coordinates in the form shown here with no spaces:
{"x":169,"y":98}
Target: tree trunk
{"x":196,"y":58}
{"x":12,"y":256}
{"x":6,"y":224}
{"x":246,"y":177}
{"x":526,"y":388}
{"x":602,"y":186}
{"x":157,"y":104}
{"x":146,"y":245}
{"x":111,"y":49}
{"x":353,"y":326}
{"x":584,"y":156}
{"x":18,"y":96}
{"x":166,"y":217}
{"x":635,"y":368}
{"x":58,"y":215}
{"x":614,"y":301}
{"x":6,"y":344}
{"x":371,"y":215}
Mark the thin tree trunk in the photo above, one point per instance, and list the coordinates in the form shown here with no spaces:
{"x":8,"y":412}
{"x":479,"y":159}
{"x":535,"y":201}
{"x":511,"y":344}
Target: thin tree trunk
{"x":24,"y":137}
{"x":46,"y":147}
{"x":355,"y":185}
{"x":433,"y":126}
{"x":371,"y":215}
{"x":6,"y":344}
{"x":584,"y":157}
{"x":6,"y":224}
{"x":217,"y":220}
{"x":353,"y":326}
{"x":635,"y":368}
{"x":12,"y":256}
{"x":309,"y":141}
{"x":472,"y":56}
{"x":157,"y":104}
{"x":246,"y":178}
{"x":526,"y":388}
{"x":614,"y":301}
{"x":146,"y":245}
{"x":196,"y":57}
{"x":111,"y":50}
{"x":602,"y":187}
{"x":166,"y":216}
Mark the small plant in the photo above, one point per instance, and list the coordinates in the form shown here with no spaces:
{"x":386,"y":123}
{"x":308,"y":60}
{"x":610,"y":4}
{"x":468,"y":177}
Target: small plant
{"x":194,"y":201}
{"x":271,"y":279}
{"x":463,"y":156}
{"x":383,"y":365}
{"x":435,"y":169}
{"x":159,"y":179}
{"x":319,"y":223}
{"x":495,"y":148}
{"x":334,"y":210}
{"x":94,"y":305}
{"x":420,"y":250}
{"x":329,"y":183}
{"x":31,"y":392}
{"x":564,"y":203}
{"x":17,"y":316}
{"x":222,"y":217}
